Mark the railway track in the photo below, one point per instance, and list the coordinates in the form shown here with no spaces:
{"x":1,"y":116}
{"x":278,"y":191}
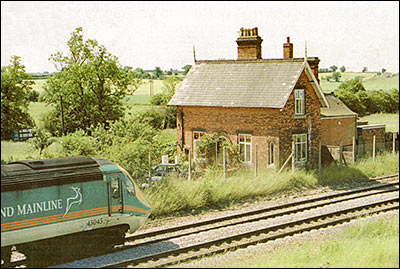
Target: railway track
{"x":156,"y":248}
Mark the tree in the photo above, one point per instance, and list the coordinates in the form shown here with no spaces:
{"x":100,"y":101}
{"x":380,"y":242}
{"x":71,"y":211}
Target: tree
{"x":15,"y":87}
{"x":336,"y":76}
{"x":92,"y":84}
{"x":333,"y":68}
{"x":157,"y":73}
{"x":186,"y":69}
{"x":167,"y":91}
{"x":342,"y":69}
{"x":354,"y":95}
{"x":383,"y":70}
{"x":32,"y":96}
{"x":365,"y":69}
{"x":41,"y":140}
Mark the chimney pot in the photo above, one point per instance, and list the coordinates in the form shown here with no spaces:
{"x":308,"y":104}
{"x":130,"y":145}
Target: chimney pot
{"x":249,"y":44}
{"x":287,"y":49}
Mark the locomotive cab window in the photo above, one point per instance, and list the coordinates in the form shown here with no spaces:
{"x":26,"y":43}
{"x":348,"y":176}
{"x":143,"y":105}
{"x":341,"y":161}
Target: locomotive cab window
{"x":115,"y":187}
{"x":130,"y":187}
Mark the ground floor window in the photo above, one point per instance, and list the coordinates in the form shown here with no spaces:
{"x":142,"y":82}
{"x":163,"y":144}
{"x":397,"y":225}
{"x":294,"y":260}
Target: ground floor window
{"x":271,"y":154}
{"x":300,"y":147}
{"x":196,"y":137}
{"x":245,"y":147}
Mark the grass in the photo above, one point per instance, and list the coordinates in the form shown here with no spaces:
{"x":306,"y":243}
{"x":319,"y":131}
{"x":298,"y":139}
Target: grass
{"x":391,"y":121}
{"x":38,"y":85}
{"x":373,"y":243}
{"x":370,"y":80}
{"x":12,"y":151}
{"x":179,"y":196}
{"x":37,"y":109}
{"x":22,"y":150}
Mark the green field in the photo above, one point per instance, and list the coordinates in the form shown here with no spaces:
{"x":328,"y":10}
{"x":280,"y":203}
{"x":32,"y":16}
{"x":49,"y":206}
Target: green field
{"x":38,"y":85}
{"x":391,"y":121}
{"x":370,"y":80}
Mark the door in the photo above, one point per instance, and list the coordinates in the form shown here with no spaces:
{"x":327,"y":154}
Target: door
{"x":115,"y":195}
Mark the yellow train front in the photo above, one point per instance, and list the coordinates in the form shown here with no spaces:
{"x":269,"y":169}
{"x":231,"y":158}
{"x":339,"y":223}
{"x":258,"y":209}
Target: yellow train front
{"x":54,"y":204}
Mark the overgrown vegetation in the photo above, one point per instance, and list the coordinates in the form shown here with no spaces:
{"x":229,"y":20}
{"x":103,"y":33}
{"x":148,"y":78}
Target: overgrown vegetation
{"x":176,"y":195}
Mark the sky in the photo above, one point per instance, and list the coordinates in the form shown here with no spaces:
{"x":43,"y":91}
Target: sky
{"x":148,"y":34}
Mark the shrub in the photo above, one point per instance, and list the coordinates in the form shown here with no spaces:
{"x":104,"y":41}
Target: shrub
{"x":78,"y":143}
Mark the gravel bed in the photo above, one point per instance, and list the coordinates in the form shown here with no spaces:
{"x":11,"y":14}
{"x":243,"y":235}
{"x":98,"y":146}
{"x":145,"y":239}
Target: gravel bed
{"x":226,"y":260}
{"x":247,"y":227}
{"x":259,"y":203}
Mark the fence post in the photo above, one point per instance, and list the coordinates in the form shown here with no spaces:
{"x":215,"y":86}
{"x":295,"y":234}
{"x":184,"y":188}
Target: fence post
{"x":340,"y":154}
{"x":373,"y":148}
{"x":354,"y":149}
{"x":256,"y":162}
{"x":224,"y":162}
{"x":190,"y":165}
{"x":394,"y":143}
{"x":319,"y":157}
{"x":293,"y":157}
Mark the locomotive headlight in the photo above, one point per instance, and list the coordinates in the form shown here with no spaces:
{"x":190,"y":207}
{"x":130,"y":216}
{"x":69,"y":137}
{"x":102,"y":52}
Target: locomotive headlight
{"x":131,"y":214}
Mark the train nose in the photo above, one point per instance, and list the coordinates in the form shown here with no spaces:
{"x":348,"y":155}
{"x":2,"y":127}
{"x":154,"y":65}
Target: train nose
{"x":142,"y":198}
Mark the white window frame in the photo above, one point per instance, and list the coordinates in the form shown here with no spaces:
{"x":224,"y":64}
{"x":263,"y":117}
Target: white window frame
{"x":300,"y":148}
{"x":299,"y":102}
{"x":200,"y":134}
{"x":247,"y":145}
{"x":271,"y":154}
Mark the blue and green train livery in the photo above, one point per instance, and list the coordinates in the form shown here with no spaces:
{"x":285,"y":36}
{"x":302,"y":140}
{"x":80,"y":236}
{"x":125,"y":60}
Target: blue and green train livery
{"x":45,"y":203}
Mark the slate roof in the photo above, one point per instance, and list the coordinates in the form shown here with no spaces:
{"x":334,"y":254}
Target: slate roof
{"x":336,"y":107}
{"x":238,"y":83}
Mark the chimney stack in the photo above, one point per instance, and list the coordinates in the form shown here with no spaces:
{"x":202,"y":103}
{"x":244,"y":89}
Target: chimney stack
{"x":288,"y":49}
{"x":249,"y":44}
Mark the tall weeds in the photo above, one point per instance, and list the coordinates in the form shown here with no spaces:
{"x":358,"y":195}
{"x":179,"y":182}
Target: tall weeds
{"x":178,"y":195}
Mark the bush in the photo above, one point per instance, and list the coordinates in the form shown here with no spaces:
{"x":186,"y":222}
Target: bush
{"x":78,"y":143}
{"x":32,"y":96}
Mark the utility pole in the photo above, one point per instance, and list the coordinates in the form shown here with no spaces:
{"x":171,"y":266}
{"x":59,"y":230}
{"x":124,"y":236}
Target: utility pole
{"x":62,"y":114}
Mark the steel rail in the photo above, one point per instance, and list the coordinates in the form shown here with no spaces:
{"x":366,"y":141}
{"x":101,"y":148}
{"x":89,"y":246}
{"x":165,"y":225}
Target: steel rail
{"x":258,"y":211}
{"x":272,"y":215}
{"x":171,"y":254}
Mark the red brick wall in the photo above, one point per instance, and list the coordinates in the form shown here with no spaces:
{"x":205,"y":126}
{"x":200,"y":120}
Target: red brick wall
{"x":332,"y":132}
{"x":365,"y":140}
{"x":266,"y":124}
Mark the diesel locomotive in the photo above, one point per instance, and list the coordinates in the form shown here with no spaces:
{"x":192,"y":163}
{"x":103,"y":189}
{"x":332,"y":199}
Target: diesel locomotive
{"x":54,"y":204}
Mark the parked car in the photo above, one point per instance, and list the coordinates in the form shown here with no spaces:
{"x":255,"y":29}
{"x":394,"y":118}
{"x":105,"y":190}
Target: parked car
{"x":160,"y":171}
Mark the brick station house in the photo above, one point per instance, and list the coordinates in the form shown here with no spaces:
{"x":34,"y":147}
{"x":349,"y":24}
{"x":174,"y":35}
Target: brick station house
{"x":263,"y":105}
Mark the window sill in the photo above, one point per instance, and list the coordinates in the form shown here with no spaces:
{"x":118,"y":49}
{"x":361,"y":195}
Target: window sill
{"x":300,"y":117}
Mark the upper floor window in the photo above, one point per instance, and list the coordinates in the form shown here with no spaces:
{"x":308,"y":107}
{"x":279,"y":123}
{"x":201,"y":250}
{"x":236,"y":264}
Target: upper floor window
{"x":245,"y":147}
{"x":299,"y":102}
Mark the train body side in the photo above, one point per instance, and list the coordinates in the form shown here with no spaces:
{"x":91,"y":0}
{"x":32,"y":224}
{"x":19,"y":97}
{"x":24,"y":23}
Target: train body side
{"x":49,"y":200}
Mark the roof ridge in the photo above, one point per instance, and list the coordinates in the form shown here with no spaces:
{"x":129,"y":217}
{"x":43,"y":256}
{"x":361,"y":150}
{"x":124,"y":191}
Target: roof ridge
{"x":273,"y":60}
